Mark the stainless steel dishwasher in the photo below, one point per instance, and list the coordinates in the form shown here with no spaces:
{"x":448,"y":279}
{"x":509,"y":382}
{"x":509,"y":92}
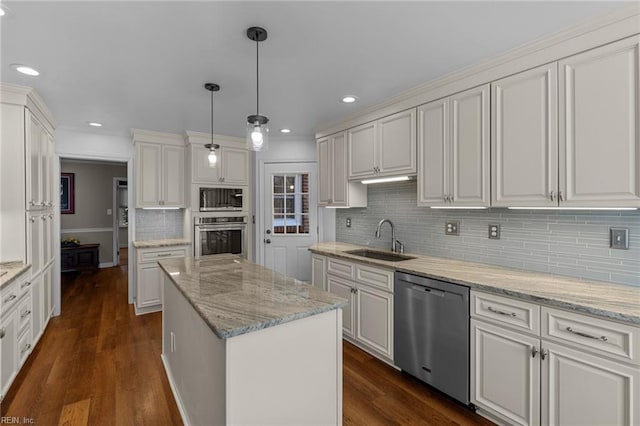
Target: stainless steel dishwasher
{"x":431,"y":332}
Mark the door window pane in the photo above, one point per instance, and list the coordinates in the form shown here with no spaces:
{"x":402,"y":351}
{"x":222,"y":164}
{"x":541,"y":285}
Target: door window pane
{"x":291,"y":198}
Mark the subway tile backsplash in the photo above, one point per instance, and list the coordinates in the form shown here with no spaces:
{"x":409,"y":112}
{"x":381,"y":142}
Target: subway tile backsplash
{"x":159,"y":224}
{"x":573,"y":243}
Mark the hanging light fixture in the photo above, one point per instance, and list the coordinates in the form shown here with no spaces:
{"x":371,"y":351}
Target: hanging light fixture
{"x":212,"y":157}
{"x":257,"y":130}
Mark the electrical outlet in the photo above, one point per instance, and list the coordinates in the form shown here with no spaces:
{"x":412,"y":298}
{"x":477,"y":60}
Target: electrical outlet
{"x":619,"y":238}
{"x":109,"y":212}
{"x":348,"y":222}
{"x":494,"y":231}
{"x":452,"y":228}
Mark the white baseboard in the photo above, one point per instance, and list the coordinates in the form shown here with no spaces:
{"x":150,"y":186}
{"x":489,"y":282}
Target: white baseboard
{"x":105,"y":265}
{"x":176,"y":395}
{"x":147,"y":309}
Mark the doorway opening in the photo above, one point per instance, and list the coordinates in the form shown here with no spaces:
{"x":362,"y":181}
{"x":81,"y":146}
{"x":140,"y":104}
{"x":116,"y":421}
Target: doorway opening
{"x":120,"y":221}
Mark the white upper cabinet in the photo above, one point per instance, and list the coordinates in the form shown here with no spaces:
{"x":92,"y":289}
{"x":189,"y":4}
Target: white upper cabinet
{"x":599,"y":120}
{"x":232,"y":167}
{"x":453,"y":150}
{"x":363,"y":149}
{"x":334,"y":189}
{"x":385,"y":147}
{"x":524,"y":141}
{"x":160,"y":175}
{"x":39,"y":155}
{"x":397,"y":144}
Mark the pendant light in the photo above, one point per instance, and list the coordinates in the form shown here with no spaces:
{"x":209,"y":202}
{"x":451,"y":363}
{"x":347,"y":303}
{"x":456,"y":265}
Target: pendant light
{"x":257,"y":130}
{"x":212,"y":157}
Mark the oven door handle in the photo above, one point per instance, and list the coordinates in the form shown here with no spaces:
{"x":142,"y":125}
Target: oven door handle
{"x":221,"y":227}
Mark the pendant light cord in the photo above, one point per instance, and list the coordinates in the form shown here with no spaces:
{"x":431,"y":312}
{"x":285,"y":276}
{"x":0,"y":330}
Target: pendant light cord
{"x":212,"y":119}
{"x":257,"y":78}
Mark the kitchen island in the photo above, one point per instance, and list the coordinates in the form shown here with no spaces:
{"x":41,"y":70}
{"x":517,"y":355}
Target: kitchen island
{"x":245,"y":345}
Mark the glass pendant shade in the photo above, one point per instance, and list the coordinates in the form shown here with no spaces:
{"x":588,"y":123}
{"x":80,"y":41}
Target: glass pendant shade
{"x":257,"y":132}
{"x":212,"y":156}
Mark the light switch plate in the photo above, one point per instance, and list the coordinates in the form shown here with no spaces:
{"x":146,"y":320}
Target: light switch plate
{"x":619,"y":238}
{"x":348,"y":222}
{"x":494,"y":231}
{"x":452,"y":228}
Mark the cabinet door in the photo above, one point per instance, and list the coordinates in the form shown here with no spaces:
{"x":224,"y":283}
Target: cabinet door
{"x":581,"y":389}
{"x":33,"y":145}
{"x":173,"y":176}
{"x":363,"y":150}
{"x":433,"y":153}
{"x":35,"y":249}
{"x":599,"y":126}
{"x":148,"y":174}
{"x":374,"y":325}
{"x":46,"y":164}
{"x":339,"y":179}
{"x":38,"y":307}
{"x":235,"y":166}
{"x":149,"y":285}
{"x":343,"y":288}
{"x":505,"y":377}
{"x":48,"y":294}
{"x":470,"y":147}
{"x":47,"y":236}
{"x":397,"y":141}
{"x":318,"y":271}
{"x":8,"y":350}
{"x":524,"y":141}
{"x":325,"y":167}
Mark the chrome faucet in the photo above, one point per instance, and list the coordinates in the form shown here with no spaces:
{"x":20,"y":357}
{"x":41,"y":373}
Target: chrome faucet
{"x":396,"y":246}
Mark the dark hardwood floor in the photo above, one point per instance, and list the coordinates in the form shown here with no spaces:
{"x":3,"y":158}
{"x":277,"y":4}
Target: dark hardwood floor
{"x":99,"y":364}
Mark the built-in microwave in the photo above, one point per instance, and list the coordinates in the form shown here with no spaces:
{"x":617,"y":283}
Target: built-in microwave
{"x":221,"y":199}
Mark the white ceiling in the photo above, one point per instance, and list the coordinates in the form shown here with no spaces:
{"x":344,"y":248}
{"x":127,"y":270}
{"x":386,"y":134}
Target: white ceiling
{"x":143,"y":64}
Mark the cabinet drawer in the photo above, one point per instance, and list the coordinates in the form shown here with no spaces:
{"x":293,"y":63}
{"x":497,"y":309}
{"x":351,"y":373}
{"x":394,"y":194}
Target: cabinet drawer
{"x":377,"y":277}
{"x":9,"y":296}
{"x":604,"y":337}
{"x":24,"y":345}
{"x":506,"y":311}
{"x":340,"y":268}
{"x":24,"y":312}
{"x":151,"y":256}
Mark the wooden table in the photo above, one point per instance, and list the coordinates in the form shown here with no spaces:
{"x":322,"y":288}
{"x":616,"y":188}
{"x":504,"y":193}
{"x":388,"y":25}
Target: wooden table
{"x":80,"y":258}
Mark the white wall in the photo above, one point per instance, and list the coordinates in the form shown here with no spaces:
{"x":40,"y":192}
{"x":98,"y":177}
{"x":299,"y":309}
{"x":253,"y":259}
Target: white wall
{"x":289,"y":149}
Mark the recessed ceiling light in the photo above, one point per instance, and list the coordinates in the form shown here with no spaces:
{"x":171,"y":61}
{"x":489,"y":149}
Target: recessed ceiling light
{"x":285,"y":130}
{"x":349,"y":99}
{"x":94,"y":124}
{"x":24,"y":69}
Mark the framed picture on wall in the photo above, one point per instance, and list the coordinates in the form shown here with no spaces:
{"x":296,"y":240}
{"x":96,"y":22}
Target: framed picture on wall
{"x":67,"y":202}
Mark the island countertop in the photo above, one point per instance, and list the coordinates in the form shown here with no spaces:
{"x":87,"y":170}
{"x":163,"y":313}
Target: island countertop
{"x":235,"y":296}
{"x":607,"y":300}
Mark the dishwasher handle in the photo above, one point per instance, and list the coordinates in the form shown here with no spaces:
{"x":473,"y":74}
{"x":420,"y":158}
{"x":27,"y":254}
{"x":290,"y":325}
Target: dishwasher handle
{"x":429,"y":290}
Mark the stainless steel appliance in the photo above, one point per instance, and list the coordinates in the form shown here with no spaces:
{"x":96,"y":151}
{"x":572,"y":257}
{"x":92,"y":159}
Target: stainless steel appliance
{"x":431,"y":332}
{"x":221,"y":199}
{"x":216,"y":235}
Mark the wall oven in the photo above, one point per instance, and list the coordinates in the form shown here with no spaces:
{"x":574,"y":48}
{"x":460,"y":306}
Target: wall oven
{"x":217,"y":235}
{"x":221,"y":199}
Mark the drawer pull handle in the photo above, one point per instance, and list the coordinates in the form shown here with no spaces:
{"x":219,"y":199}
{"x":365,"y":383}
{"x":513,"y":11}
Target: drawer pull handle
{"x":588,"y":336}
{"x":26,"y":284}
{"x":499,"y":312}
{"x":10,"y":298}
{"x":26,"y":348}
{"x":164,"y":255}
{"x":25,"y":314}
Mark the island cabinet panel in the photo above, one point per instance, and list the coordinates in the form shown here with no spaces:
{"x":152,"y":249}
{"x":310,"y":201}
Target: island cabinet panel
{"x":286,"y":374}
{"x":344,"y":288}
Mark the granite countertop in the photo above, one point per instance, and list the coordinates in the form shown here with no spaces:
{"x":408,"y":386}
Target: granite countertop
{"x":167,"y":242}
{"x":235,"y":296}
{"x":9,"y":271}
{"x":611,"y":301}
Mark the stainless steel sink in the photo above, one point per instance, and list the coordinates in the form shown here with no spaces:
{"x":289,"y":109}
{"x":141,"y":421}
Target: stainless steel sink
{"x":380,"y":255}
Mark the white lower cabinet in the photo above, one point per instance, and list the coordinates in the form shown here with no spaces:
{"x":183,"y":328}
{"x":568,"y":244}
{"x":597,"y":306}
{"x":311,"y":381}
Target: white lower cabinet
{"x":149,"y":276}
{"x":367,"y":320}
{"x":576,"y":370}
{"x":8,"y":350}
{"x":319,"y":271}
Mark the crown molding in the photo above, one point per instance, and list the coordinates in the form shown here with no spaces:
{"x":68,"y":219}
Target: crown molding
{"x":139,"y":135}
{"x":200,"y":138}
{"x":621,"y":23}
{"x":28,"y":97}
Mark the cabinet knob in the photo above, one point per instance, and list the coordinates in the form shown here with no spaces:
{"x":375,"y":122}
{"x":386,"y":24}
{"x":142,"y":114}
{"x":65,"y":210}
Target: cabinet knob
{"x":32,"y":219}
{"x":552,"y":195}
{"x":534,"y":351}
{"x":560,"y":196}
{"x":43,"y":218}
{"x":543,"y":353}
{"x":25,"y":348}
{"x":3,"y":332}
{"x":25,"y":314}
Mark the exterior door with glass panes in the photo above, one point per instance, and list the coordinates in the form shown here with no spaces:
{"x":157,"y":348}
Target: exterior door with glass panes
{"x":289,"y":218}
